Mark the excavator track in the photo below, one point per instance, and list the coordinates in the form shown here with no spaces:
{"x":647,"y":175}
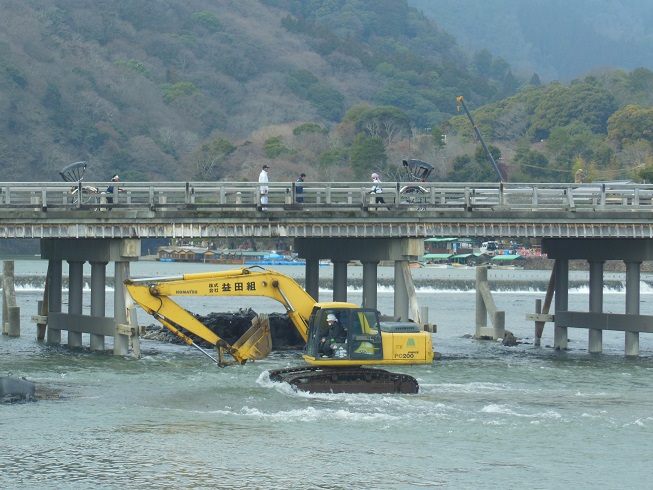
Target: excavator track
{"x":318,"y":379}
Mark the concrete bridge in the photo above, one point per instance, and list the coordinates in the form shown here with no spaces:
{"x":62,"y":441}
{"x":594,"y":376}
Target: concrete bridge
{"x":336,"y":221}
{"x":343,"y":210}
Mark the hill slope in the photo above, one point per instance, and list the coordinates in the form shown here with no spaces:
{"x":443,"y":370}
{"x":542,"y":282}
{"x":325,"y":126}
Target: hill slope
{"x":137,"y":87}
{"x":558,"y":39}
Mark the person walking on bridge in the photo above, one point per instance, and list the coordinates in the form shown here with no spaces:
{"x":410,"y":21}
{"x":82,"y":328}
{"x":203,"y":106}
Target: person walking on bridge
{"x":299,"y":190}
{"x":110,"y":189}
{"x":376,"y":188}
{"x":263,"y":189}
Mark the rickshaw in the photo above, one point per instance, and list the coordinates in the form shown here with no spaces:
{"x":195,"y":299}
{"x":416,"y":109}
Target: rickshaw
{"x":75,"y":173}
{"x":416,"y":171}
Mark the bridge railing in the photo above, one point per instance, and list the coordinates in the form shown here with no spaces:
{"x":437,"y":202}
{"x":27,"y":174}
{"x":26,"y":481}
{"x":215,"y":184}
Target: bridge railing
{"x":417,"y":196}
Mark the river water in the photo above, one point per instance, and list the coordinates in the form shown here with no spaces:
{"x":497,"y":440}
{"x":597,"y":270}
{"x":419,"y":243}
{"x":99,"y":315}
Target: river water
{"x":486,"y":416}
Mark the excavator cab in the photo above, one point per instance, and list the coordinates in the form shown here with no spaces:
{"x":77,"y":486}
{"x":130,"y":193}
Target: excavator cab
{"x":362,"y":339}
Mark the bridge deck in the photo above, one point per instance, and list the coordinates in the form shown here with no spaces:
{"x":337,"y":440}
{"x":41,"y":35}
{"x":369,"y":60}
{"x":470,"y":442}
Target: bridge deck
{"x":344,"y":209}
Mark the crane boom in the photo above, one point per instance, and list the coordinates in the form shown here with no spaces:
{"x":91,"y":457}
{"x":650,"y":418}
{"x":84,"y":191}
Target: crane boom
{"x":480,"y":137}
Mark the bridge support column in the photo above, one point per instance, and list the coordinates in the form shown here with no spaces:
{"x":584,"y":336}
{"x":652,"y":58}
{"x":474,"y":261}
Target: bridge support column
{"x":98,"y":299}
{"x":75,"y":298}
{"x":340,"y":280}
{"x":99,"y":252}
{"x":401,"y":292}
{"x":595,"y":335}
{"x":485,"y":306}
{"x":632,"y":251}
{"x":10,"y":310}
{"x":370,"y":275}
{"x":632,"y":305}
{"x":312,"y":285}
{"x":120,"y":340}
{"x":55,"y":286}
{"x":481,"y":309}
{"x":370,"y":251}
{"x":560,"y":335}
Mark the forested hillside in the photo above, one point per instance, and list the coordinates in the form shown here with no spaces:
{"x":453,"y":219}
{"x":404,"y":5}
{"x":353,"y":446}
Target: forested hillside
{"x":158,"y":90}
{"x":558,"y":39}
{"x":211,"y":89}
{"x":596,"y":128}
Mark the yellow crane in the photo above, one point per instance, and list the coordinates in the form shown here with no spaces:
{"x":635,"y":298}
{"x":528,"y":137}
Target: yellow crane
{"x":480,"y":137}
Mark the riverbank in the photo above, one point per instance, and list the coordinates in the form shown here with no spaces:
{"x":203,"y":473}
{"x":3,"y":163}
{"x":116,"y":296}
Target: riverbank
{"x":31,"y":276}
{"x":530,"y":263}
{"x":543,"y":263}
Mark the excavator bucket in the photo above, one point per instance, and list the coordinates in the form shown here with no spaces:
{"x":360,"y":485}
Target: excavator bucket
{"x":256,"y":342}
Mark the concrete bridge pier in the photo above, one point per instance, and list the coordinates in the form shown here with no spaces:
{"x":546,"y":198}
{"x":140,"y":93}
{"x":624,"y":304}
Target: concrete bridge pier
{"x":10,"y":308}
{"x":120,"y":339}
{"x":485,"y":307}
{"x":312,"y":273}
{"x":596,"y":251}
{"x":99,"y":252}
{"x":560,"y":333}
{"x":98,"y":300}
{"x":370,"y":252}
{"x":401,"y":306}
{"x":55,"y":291}
{"x":75,"y":297}
{"x":370,"y":283}
{"x":340,"y":280}
{"x":595,"y":335}
{"x":632,"y":305}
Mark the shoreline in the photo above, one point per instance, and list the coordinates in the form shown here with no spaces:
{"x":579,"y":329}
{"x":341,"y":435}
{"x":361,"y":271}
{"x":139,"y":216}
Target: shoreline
{"x":428,"y":275}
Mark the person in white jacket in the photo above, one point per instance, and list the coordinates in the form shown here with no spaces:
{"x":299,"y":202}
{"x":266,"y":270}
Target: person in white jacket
{"x":263,"y":189}
{"x":376,"y":188}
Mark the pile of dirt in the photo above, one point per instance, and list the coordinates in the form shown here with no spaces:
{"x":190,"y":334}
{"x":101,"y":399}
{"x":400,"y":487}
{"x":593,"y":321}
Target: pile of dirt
{"x":231,"y":326}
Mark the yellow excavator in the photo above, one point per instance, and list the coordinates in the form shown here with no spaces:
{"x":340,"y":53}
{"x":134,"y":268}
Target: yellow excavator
{"x":366,"y":340}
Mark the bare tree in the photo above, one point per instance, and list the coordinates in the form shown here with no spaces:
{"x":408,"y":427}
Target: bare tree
{"x":512,"y":124}
{"x":150,"y":160}
{"x":635,"y":155}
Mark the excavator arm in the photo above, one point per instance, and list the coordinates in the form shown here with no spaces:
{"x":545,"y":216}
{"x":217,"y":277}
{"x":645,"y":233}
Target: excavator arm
{"x":153,"y":295}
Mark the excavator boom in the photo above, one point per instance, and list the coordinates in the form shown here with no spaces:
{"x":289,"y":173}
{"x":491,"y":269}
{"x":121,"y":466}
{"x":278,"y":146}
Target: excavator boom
{"x":154,"y":296}
{"x":234,"y":282}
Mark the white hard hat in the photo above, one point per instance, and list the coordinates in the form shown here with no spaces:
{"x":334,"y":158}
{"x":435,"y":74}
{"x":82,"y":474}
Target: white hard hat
{"x":331,"y":318}
{"x":375,"y":175}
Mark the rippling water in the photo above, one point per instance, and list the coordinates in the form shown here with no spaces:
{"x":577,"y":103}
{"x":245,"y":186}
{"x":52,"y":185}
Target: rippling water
{"x":486,"y":415}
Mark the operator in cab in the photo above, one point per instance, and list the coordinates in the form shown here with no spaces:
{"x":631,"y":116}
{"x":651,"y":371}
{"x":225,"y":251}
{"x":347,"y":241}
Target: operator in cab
{"x":334,"y":336}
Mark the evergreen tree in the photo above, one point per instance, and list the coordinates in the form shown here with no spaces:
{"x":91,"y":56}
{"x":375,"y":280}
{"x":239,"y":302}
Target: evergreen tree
{"x":367,"y":155}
